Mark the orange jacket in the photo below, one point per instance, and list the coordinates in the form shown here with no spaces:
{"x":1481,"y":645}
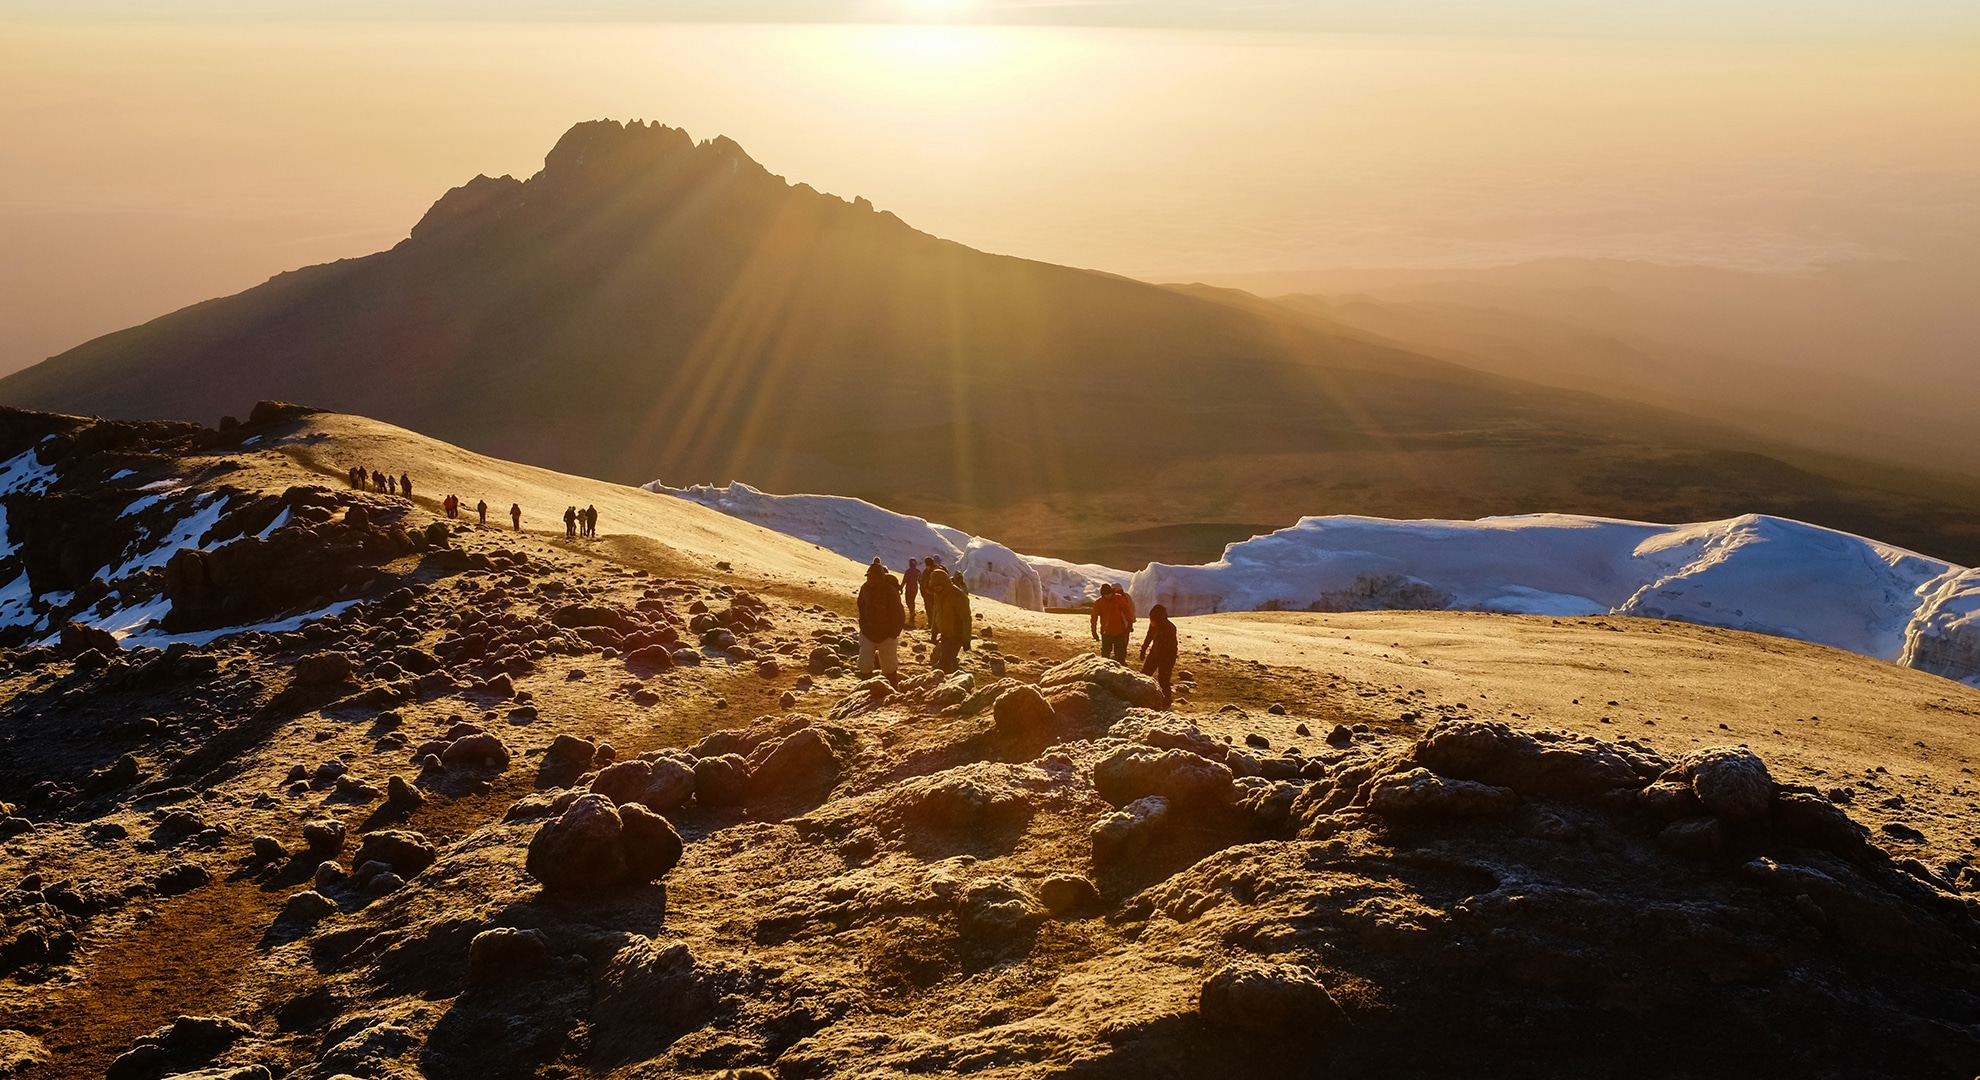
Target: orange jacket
{"x":1115,"y":614}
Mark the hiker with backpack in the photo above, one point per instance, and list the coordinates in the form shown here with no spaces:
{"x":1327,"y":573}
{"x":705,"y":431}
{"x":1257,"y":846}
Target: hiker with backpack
{"x":953,"y":616}
{"x":1159,"y":649}
{"x":881,"y":620}
{"x":1112,"y":622}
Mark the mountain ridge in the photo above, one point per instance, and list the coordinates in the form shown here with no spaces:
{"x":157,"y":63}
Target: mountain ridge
{"x":650,"y":306}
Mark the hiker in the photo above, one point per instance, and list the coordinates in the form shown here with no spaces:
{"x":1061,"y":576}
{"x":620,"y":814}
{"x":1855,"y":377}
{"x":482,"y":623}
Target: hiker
{"x":405,"y":484}
{"x":515,"y":515}
{"x":391,"y":484}
{"x":1158,"y":649}
{"x":1112,"y":622}
{"x":880,"y":622}
{"x":452,"y":506}
{"x":956,"y":625}
{"x":934,"y":586}
{"x":355,"y":474}
{"x":481,"y":508}
{"x":591,"y":521}
{"x":570,"y":522}
{"x":910,"y":582}
{"x":377,"y":480}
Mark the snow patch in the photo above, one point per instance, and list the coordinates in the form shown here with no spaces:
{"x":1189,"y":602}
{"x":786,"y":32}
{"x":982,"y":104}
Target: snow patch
{"x":23,"y":475}
{"x":1757,"y":573}
{"x":202,"y":513}
{"x":158,"y":639}
{"x":862,"y":532}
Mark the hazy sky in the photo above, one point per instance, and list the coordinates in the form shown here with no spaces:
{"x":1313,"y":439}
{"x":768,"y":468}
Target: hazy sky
{"x":154,"y":154}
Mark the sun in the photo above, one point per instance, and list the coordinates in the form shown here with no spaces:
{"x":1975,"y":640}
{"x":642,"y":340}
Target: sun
{"x":937,"y":9}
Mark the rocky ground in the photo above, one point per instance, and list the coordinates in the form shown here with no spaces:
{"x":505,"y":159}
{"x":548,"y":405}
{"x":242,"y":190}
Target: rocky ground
{"x":520,"y":806}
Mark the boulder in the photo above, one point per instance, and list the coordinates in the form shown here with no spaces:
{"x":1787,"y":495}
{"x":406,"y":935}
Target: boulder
{"x":1133,"y":772}
{"x":803,"y":765}
{"x":1730,"y":781}
{"x":1187,"y":737}
{"x":1063,"y":894}
{"x":323,"y":669}
{"x":1819,"y":823}
{"x":402,"y":794}
{"x":407,"y":853}
{"x":78,"y":639}
{"x":652,"y":846}
{"x":1693,"y":838}
{"x":323,"y":837}
{"x":583,"y":849}
{"x":865,"y":698}
{"x":478,"y":751}
{"x":1533,"y":762}
{"x":1420,"y":793}
{"x":504,"y":954}
{"x":651,"y":658}
{"x":307,"y":906}
{"x":571,"y":750}
{"x":661,"y":785}
{"x":1284,"y":1000}
{"x":1023,"y":713}
{"x":575,"y":616}
{"x":1117,"y":681}
{"x":1129,"y":830}
{"x":722,"y":780}
{"x":998,"y":907}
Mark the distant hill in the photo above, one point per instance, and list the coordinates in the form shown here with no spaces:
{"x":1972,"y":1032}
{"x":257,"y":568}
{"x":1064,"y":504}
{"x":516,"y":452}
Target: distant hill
{"x":1870,"y":358}
{"x":649,"y":307}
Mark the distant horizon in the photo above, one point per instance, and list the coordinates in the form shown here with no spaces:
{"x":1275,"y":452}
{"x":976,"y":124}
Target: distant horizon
{"x":147,"y":165}
{"x":1777,"y":20}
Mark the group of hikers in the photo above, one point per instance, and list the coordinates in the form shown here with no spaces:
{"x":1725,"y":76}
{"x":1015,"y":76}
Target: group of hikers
{"x":886,"y":609}
{"x":884,"y":614}
{"x":1112,"y":624}
{"x":577,"y":522}
{"x":580,"y":522}
{"x":451,"y":506}
{"x":383,"y":483}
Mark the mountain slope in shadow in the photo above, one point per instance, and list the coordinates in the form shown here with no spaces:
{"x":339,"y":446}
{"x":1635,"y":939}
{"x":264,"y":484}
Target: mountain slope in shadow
{"x":651,"y":307}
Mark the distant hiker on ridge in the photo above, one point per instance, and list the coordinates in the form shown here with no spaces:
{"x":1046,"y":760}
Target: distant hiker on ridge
{"x":1112,"y":622}
{"x":452,"y":506}
{"x":591,"y":521}
{"x":377,"y":480}
{"x":355,"y":474}
{"x":910,"y":581}
{"x":515,"y":515}
{"x":481,"y":508}
{"x":405,"y":484}
{"x":570,"y":522}
{"x":880,"y":622}
{"x":1158,"y":649}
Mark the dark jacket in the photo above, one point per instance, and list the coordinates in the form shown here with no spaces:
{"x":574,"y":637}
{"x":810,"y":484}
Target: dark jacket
{"x":881,"y":616}
{"x":1160,"y":643}
{"x":934,"y":590}
{"x":954,"y":614}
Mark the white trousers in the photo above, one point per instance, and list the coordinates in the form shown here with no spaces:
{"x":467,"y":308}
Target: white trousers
{"x":886,"y":652}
